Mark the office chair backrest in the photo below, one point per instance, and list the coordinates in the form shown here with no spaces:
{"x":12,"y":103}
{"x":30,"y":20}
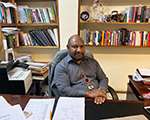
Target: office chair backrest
{"x":57,"y":58}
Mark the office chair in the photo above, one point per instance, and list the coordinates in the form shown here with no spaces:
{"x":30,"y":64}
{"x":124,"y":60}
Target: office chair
{"x":57,"y":58}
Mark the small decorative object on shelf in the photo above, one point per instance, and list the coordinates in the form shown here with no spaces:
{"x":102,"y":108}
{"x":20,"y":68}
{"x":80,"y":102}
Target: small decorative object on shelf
{"x":115,"y":17}
{"x":97,"y":11}
{"x":84,"y":16}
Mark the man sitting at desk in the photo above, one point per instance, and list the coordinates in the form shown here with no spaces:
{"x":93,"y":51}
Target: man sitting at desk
{"x":80,"y":75}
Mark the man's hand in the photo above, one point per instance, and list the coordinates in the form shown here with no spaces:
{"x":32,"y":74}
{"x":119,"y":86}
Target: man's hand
{"x":90,"y":94}
{"x":98,"y":95}
{"x":99,"y":100}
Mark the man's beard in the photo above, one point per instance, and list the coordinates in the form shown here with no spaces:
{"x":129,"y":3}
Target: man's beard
{"x":78,"y":57}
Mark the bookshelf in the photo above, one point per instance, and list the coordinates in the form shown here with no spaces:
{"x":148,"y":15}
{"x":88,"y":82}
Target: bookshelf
{"x":36,"y":20}
{"x":99,"y":30}
{"x":42,"y":19}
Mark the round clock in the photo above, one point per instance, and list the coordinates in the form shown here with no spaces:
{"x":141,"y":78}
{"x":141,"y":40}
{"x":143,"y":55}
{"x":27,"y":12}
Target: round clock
{"x":84,"y":16}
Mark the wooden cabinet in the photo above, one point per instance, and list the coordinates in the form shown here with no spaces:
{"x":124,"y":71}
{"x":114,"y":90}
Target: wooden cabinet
{"x":115,"y":23}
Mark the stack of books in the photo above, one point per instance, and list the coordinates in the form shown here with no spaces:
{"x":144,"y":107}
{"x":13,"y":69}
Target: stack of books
{"x":145,"y":74}
{"x":39,"y":70}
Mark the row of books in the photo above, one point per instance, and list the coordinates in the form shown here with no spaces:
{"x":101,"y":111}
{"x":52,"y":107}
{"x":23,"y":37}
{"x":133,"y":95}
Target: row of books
{"x":137,"y":14}
{"x":27,"y":14}
{"x":7,"y":12}
{"x":121,"y":37}
{"x":39,"y":37}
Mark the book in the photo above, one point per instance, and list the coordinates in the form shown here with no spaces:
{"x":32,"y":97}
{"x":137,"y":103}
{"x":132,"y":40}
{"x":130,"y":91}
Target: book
{"x":22,"y":16}
{"x":38,"y":67}
{"x":144,"y":72}
{"x":40,"y":73}
{"x":39,"y":77}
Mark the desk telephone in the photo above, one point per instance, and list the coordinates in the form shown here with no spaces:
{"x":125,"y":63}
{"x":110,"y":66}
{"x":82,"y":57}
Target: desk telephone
{"x":10,"y":65}
{"x":21,"y":64}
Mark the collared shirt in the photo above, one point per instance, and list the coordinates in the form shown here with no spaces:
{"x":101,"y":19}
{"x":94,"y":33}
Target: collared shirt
{"x":72,"y":79}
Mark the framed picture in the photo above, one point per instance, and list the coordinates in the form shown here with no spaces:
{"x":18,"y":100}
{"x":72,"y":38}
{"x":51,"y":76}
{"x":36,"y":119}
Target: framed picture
{"x":9,"y":55}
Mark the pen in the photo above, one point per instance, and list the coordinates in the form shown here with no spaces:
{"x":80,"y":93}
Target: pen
{"x":50,"y":115}
{"x":27,"y":114}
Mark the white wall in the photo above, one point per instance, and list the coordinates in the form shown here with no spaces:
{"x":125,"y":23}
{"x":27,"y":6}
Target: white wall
{"x":68,"y":20}
{"x":118,"y":63}
{"x":119,"y":66}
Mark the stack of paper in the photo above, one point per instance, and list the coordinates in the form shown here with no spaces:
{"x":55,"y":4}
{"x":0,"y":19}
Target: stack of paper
{"x":38,"y":67}
{"x":70,"y":108}
{"x":144,"y":71}
{"x":8,"y":112}
{"x":39,"y":70}
{"x":40,"y":109}
{"x":145,"y":74}
{"x":36,"y":109}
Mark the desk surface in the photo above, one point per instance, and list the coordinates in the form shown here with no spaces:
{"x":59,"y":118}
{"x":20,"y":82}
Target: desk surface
{"x":138,"y":88}
{"x":109,"y":109}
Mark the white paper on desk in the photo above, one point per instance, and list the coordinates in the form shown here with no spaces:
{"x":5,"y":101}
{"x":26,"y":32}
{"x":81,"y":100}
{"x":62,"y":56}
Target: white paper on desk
{"x":12,"y":113}
{"x":144,"y":71}
{"x":8,"y":112}
{"x":134,"y":117}
{"x":70,"y":108}
{"x":17,"y":113}
{"x":3,"y":103}
{"x":40,"y":108}
{"x":4,"y":107}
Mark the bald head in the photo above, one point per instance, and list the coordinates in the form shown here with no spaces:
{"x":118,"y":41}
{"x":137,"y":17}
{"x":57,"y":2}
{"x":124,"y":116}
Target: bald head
{"x":74,"y":37}
{"x":76,"y":47}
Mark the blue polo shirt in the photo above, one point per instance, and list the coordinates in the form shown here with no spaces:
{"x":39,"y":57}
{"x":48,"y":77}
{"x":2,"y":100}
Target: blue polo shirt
{"x":72,"y":79}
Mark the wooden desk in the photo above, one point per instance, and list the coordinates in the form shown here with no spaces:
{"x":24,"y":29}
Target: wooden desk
{"x":109,"y":109}
{"x":136,"y":90}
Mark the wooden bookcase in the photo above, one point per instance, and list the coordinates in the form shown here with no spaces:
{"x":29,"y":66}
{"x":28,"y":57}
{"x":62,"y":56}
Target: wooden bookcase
{"x":39,"y":15}
{"x":37,"y":18}
{"x":92,"y":25}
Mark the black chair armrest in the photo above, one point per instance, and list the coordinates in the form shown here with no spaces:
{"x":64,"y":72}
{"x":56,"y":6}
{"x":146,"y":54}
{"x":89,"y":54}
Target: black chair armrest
{"x":113,"y":93}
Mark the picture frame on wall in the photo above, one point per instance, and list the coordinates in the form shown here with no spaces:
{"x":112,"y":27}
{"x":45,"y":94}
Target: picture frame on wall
{"x":9,"y":55}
